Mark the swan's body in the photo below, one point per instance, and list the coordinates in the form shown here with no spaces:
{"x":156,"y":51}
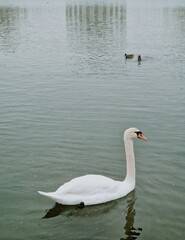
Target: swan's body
{"x":96,"y":189}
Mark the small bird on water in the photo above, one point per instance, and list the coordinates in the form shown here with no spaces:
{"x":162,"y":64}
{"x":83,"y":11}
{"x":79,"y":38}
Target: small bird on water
{"x":139,"y":58}
{"x":130,"y":56}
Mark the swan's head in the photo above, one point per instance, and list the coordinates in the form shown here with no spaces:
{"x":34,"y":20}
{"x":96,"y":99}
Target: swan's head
{"x":132,"y":133}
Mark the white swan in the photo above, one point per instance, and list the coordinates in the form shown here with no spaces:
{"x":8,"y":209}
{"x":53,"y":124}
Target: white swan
{"x":96,"y":189}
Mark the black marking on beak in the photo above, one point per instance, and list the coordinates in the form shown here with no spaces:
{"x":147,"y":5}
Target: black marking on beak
{"x":139,"y":133}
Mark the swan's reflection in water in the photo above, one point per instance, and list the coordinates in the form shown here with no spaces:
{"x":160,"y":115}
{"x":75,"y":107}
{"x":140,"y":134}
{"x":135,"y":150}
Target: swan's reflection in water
{"x":80,"y":210}
{"x":131,"y":232}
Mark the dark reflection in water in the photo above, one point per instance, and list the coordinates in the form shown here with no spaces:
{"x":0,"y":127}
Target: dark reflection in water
{"x":84,"y":16}
{"x":131,"y":232}
{"x":80,"y":211}
{"x":10,"y":23}
{"x":96,"y":29}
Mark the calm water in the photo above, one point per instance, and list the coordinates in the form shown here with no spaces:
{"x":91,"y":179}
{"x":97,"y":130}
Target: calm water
{"x":67,"y":95}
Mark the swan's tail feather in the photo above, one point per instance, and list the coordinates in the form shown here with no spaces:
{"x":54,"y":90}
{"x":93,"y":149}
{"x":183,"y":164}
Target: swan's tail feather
{"x":47,"y":194}
{"x":52,"y":195}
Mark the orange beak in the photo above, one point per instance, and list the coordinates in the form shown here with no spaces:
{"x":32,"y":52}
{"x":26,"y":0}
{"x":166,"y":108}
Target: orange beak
{"x":141,"y":136}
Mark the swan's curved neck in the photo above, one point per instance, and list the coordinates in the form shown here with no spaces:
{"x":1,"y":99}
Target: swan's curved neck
{"x":130,"y":161}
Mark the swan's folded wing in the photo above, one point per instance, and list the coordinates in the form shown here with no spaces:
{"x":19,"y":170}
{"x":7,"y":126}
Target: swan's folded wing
{"x":89,"y":185}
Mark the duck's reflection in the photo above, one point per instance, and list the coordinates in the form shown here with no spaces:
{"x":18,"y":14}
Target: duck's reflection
{"x":130,"y":231}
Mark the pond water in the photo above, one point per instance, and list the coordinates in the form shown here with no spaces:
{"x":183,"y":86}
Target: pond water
{"x":66,"y":96}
